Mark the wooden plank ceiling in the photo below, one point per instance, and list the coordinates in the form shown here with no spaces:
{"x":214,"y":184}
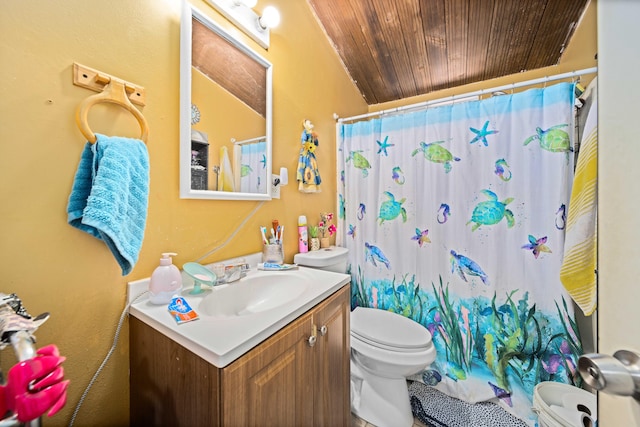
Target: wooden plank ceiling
{"x":395,"y":49}
{"x":229,"y":67}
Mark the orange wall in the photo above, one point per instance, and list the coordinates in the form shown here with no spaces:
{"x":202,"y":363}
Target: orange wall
{"x":54,"y":267}
{"x":222,"y":117}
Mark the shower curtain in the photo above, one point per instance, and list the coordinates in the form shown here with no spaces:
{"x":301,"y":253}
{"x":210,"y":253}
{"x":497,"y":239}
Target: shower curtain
{"x":252,"y":167}
{"x":454,"y":217}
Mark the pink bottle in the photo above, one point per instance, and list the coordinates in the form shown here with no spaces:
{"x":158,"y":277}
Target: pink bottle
{"x":303,"y":242}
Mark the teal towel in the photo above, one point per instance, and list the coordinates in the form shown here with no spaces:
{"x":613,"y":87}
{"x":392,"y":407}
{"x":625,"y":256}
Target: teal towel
{"x":110,"y":195}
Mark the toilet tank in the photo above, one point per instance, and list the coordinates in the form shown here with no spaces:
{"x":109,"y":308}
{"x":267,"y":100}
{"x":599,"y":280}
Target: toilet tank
{"x":333,"y":258}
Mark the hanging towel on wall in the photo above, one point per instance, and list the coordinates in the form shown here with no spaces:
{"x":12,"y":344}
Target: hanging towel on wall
{"x":110,"y":195}
{"x":225,"y":181}
{"x":577,"y":273}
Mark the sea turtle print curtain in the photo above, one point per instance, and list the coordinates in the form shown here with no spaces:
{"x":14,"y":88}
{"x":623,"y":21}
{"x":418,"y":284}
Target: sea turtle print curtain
{"x":455,"y":217}
{"x":252,"y":168}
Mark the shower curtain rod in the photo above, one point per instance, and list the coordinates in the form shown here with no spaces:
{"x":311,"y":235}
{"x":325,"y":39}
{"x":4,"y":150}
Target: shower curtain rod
{"x":246,"y":141}
{"x":452,"y":98}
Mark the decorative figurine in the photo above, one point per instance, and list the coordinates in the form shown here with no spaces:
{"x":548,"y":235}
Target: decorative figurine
{"x":308,"y":174}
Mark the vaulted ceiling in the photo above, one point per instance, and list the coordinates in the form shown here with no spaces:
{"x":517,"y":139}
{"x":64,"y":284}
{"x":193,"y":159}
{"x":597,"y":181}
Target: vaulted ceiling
{"x":214,"y":56}
{"x":395,"y":49}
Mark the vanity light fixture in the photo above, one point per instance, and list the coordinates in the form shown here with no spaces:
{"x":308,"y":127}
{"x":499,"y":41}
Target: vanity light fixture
{"x":270,"y":18}
{"x":242,"y":15}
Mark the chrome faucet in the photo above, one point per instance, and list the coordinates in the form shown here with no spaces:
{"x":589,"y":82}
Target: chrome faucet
{"x":234,"y":272}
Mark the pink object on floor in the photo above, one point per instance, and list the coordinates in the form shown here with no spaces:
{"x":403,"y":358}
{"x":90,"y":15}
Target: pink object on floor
{"x":35,"y":386}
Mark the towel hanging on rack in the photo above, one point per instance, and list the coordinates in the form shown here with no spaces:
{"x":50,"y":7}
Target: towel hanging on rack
{"x":578,"y":271}
{"x":114,"y":92}
{"x":110,"y":193}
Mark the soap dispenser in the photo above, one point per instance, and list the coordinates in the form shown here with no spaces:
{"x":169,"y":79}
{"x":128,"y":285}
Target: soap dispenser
{"x":166,"y":280}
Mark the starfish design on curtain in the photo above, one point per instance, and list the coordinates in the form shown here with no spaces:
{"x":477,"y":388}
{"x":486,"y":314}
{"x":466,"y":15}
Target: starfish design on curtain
{"x":422,"y":236}
{"x":481,"y":135}
{"x":383,"y":146}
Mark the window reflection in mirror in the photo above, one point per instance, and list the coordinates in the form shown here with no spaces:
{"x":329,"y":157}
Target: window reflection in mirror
{"x":225,"y":131}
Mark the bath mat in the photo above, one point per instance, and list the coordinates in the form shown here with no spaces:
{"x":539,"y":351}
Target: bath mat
{"x":436,"y":409}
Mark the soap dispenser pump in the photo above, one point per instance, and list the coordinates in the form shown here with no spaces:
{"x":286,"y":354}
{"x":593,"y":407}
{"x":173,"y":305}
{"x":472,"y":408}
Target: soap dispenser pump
{"x":166,"y":280}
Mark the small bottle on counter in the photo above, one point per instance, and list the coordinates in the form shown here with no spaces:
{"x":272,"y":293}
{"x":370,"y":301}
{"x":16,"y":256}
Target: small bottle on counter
{"x":303,"y":241}
{"x":166,"y":280}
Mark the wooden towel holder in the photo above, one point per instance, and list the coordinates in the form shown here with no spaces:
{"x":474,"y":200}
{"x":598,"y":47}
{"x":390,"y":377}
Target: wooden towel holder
{"x":112,"y":90}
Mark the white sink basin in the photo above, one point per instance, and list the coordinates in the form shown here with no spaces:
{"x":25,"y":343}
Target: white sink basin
{"x":235,"y":317}
{"x":252,"y":294}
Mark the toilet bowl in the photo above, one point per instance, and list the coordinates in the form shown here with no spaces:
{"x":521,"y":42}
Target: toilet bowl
{"x":386,"y":348}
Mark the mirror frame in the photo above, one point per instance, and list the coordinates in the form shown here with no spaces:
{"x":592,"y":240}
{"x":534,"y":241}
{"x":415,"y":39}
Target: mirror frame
{"x":186,"y":192}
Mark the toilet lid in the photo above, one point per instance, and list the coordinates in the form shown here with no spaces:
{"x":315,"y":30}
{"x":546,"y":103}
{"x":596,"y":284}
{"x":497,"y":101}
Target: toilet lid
{"x":322,"y":258}
{"x":388,"y":329}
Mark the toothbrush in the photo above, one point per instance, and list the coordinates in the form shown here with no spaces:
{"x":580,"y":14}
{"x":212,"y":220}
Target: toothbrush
{"x":263,"y":231}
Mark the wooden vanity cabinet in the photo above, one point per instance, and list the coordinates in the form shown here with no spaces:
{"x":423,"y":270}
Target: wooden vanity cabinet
{"x":332,"y":385}
{"x":297,"y":377}
{"x":268,"y":387}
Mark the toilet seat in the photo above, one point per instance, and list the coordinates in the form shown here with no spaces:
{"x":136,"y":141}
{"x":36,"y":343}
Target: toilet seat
{"x":388,"y":330}
{"x":386,"y":349}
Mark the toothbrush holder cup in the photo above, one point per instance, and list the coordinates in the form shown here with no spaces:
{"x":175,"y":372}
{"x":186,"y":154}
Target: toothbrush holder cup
{"x":273,"y":253}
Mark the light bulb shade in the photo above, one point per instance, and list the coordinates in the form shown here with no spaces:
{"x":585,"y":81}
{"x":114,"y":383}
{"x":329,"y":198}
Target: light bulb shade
{"x":270,"y":17}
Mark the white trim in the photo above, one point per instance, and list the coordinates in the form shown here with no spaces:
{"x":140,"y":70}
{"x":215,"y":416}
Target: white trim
{"x":455,"y":98}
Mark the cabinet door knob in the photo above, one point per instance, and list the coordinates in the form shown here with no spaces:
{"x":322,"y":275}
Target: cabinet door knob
{"x":312,"y":340}
{"x":323,"y":330}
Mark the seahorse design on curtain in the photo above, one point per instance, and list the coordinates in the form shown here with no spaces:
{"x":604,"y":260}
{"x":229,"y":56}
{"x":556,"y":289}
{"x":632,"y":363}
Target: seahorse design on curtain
{"x":468,"y":245}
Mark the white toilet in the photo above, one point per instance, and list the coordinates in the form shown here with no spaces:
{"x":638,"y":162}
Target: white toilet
{"x":386,"y":348}
{"x":333,"y":258}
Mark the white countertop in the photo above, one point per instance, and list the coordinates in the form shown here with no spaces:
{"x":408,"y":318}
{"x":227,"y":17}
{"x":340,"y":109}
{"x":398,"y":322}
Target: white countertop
{"x":220,"y":341}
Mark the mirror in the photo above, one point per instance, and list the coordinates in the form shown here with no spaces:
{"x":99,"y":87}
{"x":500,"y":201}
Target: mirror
{"x":225,"y":114}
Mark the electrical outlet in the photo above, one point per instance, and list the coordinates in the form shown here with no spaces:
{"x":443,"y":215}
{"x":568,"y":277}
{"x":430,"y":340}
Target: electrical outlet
{"x":275,"y":189}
